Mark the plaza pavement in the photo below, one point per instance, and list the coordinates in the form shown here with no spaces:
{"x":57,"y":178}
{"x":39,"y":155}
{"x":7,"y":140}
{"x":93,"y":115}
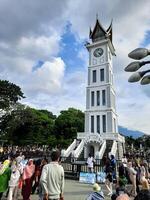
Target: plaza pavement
{"x":74,"y":191}
{"x":77,"y":191}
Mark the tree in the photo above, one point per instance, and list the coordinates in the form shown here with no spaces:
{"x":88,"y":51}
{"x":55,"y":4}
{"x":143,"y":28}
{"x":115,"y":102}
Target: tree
{"x":9,"y":94}
{"x":67,"y":124}
{"x":29,"y":126}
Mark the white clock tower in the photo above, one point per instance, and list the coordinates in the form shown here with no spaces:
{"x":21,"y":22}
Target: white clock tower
{"x":101,"y":125}
{"x":100,"y":115}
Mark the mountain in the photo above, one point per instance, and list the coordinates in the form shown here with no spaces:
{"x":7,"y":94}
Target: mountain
{"x":126,"y":132}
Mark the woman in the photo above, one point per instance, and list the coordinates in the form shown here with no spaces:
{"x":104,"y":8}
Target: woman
{"x":16,"y":171}
{"x":5,"y":173}
{"x":27,"y":178}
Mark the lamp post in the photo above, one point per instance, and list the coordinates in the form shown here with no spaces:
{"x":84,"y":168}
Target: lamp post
{"x":138,"y":54}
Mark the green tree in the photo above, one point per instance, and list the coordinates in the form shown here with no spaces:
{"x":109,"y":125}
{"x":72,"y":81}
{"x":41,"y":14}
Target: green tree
{"x":29,"y":126}
{"x":9,"y":94}
{"x":67,"y":124}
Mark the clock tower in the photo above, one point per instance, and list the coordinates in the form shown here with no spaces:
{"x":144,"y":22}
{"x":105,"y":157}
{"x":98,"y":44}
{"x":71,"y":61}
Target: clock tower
{"x":101,"y":124}
{"x":100,"y":115}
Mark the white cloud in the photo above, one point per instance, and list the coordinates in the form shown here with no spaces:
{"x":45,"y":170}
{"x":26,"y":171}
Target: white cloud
{"x":71,"y":93}
{"x":47,"y":79}
{"x":41,"y":47}
{"x":27,"y":37}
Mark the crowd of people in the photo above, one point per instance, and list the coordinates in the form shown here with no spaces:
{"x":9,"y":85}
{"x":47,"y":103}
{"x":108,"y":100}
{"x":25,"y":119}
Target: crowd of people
{"x":24,"y":176}
{"x":133,"y":171}
{"x":21,"y":176}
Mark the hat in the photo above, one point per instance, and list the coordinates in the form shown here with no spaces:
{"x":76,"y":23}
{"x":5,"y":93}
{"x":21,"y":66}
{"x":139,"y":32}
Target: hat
{"x":96,"y":187}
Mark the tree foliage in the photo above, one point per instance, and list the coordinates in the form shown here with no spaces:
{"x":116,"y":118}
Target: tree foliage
{"x":26,"y":125}
{"x":9,"y":94}
{"x":68,"y":123}
{"x":29,"y":126}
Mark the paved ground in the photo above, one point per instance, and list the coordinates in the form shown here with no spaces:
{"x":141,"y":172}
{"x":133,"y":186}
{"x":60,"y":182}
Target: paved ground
{"x":75,"y":191}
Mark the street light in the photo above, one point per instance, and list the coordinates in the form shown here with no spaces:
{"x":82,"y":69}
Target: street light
{"x":138,"y":54}
{"x":137,"y":76}
{"x":134,"y":66}
{"x":145,"y":80}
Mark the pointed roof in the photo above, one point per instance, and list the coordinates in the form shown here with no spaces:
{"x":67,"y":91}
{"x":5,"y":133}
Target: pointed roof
{"x":109,"y":31}
{"x":90,"y":32}
{"x":100,"y":33}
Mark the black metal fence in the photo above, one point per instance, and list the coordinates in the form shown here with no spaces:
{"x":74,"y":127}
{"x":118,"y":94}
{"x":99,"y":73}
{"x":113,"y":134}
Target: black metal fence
{"x":73,"y":167}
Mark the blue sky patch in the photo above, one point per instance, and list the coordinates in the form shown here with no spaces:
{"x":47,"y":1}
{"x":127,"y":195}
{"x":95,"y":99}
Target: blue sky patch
{"x":70,"y":49}
{"x":146,"y":40}
{"x":37,"y":65}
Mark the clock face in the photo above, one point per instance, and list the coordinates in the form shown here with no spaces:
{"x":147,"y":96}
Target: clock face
{"x":98,"y":52}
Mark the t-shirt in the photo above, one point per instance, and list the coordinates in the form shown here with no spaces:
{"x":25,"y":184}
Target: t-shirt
{"x":90,"y":162}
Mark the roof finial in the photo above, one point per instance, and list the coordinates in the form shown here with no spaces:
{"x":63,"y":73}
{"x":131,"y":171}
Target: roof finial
{"x":96,"y":16}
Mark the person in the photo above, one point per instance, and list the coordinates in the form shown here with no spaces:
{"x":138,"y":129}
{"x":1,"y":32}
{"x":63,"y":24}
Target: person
{"x":97,"y":194}
{"x":145,"y":185}
{"x":138,"y":176}
{"x":124,"y":160}
{"x":137,"y":160}
{"x":52,"y":178}
{"x":122,"y":180}
{"x":36,"y":176}
{"x":147,"y":174}
{"x":109,"y":177}
{"x":16,"y":171}
{"x":132,"y":176}
{"x":113,"y":166}
{"x":90,"y":163}
{"x":123,"y":197}
{"x":143,"y":195}
{"x":43,"y":162}
{"x":5,"y":173}
{"x":27,"y":178}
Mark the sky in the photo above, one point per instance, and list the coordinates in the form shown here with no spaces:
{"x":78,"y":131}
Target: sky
{"x":42,"y":50}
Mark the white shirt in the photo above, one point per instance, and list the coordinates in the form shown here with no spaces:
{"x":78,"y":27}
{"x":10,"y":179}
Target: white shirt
{"x":90,"y":162}
{"x":15,"y":175}
{"x":52,"y":180}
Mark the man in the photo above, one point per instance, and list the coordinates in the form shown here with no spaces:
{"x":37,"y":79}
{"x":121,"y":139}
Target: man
{"x":52,"y":178}
{"x":113,"y":166}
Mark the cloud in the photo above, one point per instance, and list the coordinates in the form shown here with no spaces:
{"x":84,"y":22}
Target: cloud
{"x":47,"y":79}
{"x":70,"y":90}
{"x":41,"y":47}
{"x":28,"y":18}
{"x":33,"y":30}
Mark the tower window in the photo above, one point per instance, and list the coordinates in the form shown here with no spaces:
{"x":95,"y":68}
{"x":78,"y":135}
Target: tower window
{"x":98,"y":97}
{"x":103,"y":97}
{"x":92,"y":98}
{"x":94,"y":76}
{"x":104,"y":123}
{"x":98,"y":124}
{"x":101,"y":74}
{"x":92,"y":124}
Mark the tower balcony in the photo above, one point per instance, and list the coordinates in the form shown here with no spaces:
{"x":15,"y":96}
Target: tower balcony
{"x":104,"y":136}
